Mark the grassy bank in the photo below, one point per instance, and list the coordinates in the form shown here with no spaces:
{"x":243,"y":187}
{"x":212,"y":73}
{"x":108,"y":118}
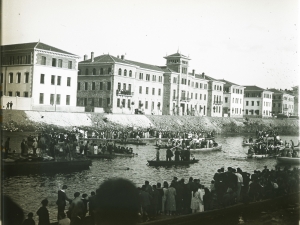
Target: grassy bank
{"x":16,"y":120}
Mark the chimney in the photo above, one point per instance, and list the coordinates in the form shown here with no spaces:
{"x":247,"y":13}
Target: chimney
{"x":193,"y":72}
{"x":122,"y":57}
{"x":203,"y":75}
{"x":118,"y":56}
{"x":92,"y":56}
{"x":85,"y":57}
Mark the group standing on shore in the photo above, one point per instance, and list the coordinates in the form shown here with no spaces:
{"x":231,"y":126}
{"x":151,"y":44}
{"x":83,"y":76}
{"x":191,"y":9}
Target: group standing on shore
{"x":118,"y":201}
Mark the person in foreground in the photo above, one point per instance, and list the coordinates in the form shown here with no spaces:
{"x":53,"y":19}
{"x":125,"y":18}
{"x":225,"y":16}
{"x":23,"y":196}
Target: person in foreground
{"x":117,"y":202}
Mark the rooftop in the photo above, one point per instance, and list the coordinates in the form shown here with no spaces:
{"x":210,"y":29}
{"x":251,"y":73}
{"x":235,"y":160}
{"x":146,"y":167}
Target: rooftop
{"x":176,"y":55}
{"x":254,"y":88}
{"x":230,"y":83}
{"x":33,"y":45}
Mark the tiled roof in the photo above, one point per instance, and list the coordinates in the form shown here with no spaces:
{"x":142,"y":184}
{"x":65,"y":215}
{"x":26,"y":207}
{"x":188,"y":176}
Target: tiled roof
{"x":230,"y":83}
{"x":275,"y":91}
{"x":253,"y":88}
{"x":144,"y":65}
{"x":176,"y":55}
{"x":32,"y":45}
{"x":105,"y":59}
{"x":167,"y":69}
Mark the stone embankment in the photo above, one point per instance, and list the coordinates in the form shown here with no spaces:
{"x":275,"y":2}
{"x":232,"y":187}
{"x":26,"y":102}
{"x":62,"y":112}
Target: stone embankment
{"x":17,"y":120}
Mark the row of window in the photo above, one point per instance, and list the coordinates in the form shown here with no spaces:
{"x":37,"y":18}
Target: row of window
{"x":267,"y":95}
{"x":124,"y":87}
{"x":141,"y":77}
{"x":18,"y":94}
{"x":58,"y":80}
{"x":184,"y":81}
{"x":18,"y":78}
{"x":252,"y":103}
{"x":97,"y":102}
{"x":268,"y":104}
{"x":56,"y":62}
{"x":187,"y":95}
{"x":256,"y":95}
{"x":217,"y":88}
{"x":101,"y":71}
{"x":256,"y":112}
{"x":236,"y":100}
{"x":92,"y":86}
{"x":147,"y":91}
{"x":53,"y":101}
{"x":16,"y":60}
{"x":200,"y":109}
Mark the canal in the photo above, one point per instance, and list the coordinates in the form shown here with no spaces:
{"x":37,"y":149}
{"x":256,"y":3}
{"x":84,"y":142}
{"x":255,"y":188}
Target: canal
{"x":29,"y":191}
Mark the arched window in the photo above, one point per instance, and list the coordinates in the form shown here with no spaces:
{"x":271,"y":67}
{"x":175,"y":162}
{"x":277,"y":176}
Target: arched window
{"x":101,"y":71}
{"x":109,"y":70}
{"x":120,"y":72}
{"x":86,"y":71}
{"x":130,"y":73}
{"x":125,"y":73}
{"x":94,"y":71}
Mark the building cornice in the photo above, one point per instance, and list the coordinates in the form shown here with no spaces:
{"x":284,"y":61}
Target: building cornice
{"x":56,"y":53}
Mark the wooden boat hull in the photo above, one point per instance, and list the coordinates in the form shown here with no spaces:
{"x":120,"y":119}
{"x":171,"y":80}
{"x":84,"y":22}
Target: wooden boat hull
{"x":217,"y":148}
{"x":247,"y":144}
{"x":110,"y":156}
{"x":171,"y":163}
{"x":288,"y":160}
{"x":131,"y":143}
{"x":250,"y":156}
{"x":19,"y":168}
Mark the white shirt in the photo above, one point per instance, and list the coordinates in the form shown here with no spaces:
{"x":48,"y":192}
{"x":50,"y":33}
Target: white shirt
{"x":240,"y":177}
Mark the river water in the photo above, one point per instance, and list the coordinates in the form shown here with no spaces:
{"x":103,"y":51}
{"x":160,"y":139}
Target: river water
{"x":29,"y":191}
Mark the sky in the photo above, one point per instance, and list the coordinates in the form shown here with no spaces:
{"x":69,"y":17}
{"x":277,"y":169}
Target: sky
{"x":247,"y":42}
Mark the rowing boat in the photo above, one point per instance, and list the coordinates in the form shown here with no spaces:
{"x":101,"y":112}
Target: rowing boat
{"x":288,"y":160}
{"x":110,"y":156}
{"x":19,"y":168}
{"x":247,"y":144}
{"x":216,"y":148}
{"x":130,"y":142}
{"x":254,"y":156}
{"x":171,"y":163}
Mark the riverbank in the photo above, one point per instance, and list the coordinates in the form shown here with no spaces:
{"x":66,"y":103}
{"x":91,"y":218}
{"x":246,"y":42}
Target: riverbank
{"x":31,"y":121}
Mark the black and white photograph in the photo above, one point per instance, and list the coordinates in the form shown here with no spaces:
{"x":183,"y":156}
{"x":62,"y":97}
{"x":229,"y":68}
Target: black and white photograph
{"x":149,"y":112}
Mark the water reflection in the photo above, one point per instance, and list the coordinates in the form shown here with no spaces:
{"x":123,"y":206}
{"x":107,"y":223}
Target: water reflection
{"x":28,"y":191}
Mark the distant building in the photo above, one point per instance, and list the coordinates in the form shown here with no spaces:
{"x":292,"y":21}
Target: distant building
{"x":111,"y":84}
{"x":233,"y":100}
{"x":184,"y":93}
{"x":114,"y":84}
{"x":37,"y":76}
{"x":215,"y":97}
{"x":282,"y":102}
{"x":295,"y":93}
{"x":257,"y":102}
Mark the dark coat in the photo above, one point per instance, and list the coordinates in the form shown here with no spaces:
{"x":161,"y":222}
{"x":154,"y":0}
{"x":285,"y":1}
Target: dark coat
{"x":43,"y":216}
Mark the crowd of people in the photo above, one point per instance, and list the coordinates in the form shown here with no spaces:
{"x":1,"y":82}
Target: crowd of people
{"x":119,"y":201}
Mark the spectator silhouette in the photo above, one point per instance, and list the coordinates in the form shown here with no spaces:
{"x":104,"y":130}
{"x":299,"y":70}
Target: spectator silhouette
{"x":117,"y":202}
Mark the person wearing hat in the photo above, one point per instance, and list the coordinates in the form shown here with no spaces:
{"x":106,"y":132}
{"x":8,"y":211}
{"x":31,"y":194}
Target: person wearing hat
{"x":61,"y":201}
{"x":29,"y":220}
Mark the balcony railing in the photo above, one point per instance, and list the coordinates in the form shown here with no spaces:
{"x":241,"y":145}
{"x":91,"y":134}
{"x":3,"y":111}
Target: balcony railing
{"x":218,"y":103}
{"x":126,"y":92}
{"x":185,"y":99}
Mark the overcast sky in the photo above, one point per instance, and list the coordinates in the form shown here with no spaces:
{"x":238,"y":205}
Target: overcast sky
{"x":248,"y":42}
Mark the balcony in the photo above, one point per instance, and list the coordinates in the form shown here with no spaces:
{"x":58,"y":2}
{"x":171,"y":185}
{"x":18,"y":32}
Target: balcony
{"x":218,"y":103}
{"x":184,"y":99}
{"x":124,"y":93}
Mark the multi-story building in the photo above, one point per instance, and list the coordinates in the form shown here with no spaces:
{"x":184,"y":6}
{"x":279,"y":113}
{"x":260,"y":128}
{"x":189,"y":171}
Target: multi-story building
{"x":215,"y":97}
{"x":295,"y":93}
{"x":282,"y":102}
{"x":119,"y":85}
{"x":257,"y":102}
{"x":184,"y":93}
{"x":37,"y":76}
{"x":233,"y":101}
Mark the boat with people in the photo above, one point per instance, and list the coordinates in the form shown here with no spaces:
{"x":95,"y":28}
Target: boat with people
{"x":215,"y":148}
{"x":171,"y":163}
{"x":247,"y":144}
{"x":260,"y":156}
{"x":20,"y":167}
{"x":288,"y":160}
{"x":111,"y":156}
{"x":130,"y":142}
